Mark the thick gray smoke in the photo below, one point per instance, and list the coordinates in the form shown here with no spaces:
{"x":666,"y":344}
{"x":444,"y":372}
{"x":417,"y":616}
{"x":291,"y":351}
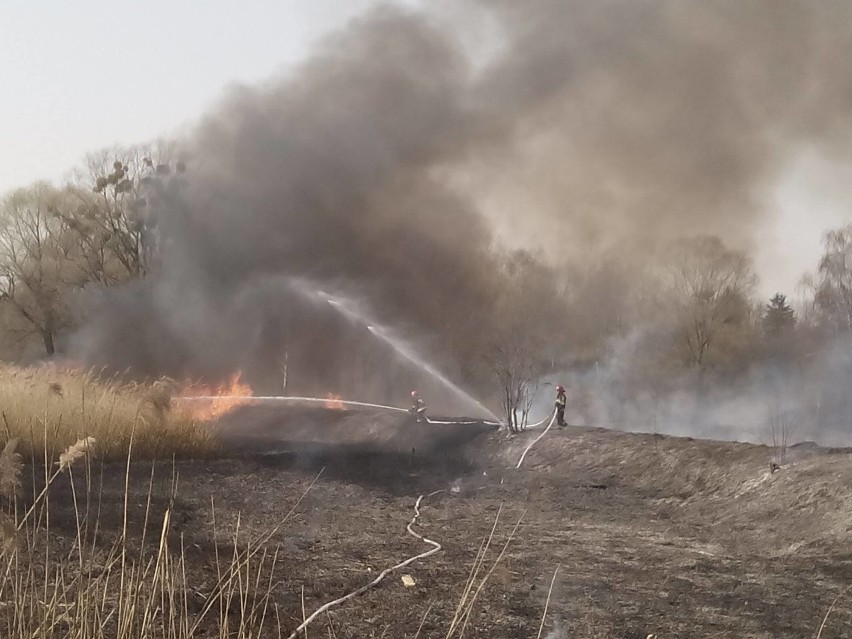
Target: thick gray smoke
{"x":635,"y":120}
{"x":327,"y":174}
{"x":399,"y":165}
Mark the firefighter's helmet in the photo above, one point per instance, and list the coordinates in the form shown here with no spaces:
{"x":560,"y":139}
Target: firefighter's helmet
{"x":560,"y":388}
{"x":414,"y":393}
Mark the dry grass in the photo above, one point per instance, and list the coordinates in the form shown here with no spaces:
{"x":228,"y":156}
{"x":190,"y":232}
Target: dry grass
{"x":130,"y":589}
{"x":134,"y":584}
{"x":47,"y":409}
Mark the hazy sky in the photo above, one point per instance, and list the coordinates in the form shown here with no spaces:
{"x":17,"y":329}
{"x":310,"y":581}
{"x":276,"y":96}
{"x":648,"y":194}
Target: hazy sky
{"x":77,"y":76}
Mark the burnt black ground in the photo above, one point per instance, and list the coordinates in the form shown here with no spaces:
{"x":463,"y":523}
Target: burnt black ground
{"x":675,"y":537}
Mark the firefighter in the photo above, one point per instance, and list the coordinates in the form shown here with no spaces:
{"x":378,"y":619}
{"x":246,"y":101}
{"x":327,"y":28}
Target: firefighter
{"x":561,"y":400}
{"x":418,"y":406}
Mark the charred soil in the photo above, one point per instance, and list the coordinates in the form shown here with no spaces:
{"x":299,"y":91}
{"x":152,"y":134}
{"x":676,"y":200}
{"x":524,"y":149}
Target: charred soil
{"x":652,"y":535}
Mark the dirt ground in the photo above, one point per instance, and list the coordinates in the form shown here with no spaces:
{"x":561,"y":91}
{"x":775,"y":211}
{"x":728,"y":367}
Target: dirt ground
{"x":650,"y":535}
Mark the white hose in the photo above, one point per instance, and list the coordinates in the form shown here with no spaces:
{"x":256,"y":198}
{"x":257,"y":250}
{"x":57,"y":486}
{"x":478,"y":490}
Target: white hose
{"x":436,"y":547}
{"x":323,"y":400}
{"x":535,"y":441}
{"x":463,"y":422}
{"x":281,"y":398}
{"x":537,"y":424}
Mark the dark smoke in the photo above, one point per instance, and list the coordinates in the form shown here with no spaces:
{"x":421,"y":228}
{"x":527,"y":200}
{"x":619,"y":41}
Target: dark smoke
{"x":394,"y":166}
{"x":328,"y":174}
{"x":635,"y":120}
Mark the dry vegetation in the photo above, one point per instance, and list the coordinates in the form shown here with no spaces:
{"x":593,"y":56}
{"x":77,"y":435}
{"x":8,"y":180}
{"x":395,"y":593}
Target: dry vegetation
{"x":134,"y":587}
{"x":137,"y":574}
{"x":650,"y":535}
{"x":47,"y":409}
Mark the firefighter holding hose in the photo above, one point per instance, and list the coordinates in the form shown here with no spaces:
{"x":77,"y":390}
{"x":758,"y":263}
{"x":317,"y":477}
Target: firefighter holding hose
{"x":418,"y":407}
{"x":561,"y":401}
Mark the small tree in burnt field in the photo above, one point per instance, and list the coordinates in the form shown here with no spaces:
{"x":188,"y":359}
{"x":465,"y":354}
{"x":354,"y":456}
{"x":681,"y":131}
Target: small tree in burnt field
{"x":528,"y":312}
{"x":516,"y":367}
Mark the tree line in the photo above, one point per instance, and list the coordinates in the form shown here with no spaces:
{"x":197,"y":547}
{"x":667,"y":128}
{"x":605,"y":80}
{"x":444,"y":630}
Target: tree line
{"x":686,"y":317}
{"x":687,"y":323}
{"x":95,"y":229}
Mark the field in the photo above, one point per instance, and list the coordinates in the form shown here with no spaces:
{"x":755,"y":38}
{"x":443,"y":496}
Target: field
{"x":645,"y":534}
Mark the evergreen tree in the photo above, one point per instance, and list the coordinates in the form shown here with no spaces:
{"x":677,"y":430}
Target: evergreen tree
{"x":778,"y":316}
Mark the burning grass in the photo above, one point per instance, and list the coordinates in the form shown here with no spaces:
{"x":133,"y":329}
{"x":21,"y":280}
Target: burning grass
{"x":48,"y":409}
{"x":206,"y":403}
{"x":334,"y":402}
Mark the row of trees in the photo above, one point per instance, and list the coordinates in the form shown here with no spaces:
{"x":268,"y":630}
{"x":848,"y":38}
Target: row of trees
{"x":686,"y":316}
{"x":96,"y":229}
{"x":690,"y":320}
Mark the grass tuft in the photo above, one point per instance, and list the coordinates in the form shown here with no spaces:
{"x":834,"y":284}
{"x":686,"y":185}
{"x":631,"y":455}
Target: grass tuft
{"x":48,"y":410}
{"x":11,"y":465}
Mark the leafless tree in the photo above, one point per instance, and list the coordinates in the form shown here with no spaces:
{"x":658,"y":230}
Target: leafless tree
{"x":516,"y":368}
{"x":38,"y":264}
{"x":781,"y":425}
{"x":833,"y":286}
{"x":711,"y":285}
{"x":526,"y":325}
{"x":112,"y":222}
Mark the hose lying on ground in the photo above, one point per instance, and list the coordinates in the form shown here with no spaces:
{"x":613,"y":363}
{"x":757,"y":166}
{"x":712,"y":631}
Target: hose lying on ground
{"x":463,"y":422}
{"x":325,"y":400}
{"x":535,"y":441}
{"x":436,"y":547}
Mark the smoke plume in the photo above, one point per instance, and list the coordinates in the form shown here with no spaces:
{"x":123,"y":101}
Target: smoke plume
{"x":402,"y":166}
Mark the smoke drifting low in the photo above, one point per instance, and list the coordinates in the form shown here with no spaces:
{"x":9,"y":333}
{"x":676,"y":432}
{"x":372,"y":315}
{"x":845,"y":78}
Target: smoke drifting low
{"x":398,"y":165}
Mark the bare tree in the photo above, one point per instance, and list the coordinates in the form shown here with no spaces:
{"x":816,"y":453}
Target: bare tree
{"x":530,"y":393}
{"x":37,"y":259}
{"x":781,"y":425}
{"x":833,"y":286}
{"x":112,"y":222}
{"x":514,"y":370}
{"x":711,"y":285}
{"x":527,"y":320}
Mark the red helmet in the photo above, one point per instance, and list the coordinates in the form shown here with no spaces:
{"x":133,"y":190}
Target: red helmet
{"x":560,"y":388}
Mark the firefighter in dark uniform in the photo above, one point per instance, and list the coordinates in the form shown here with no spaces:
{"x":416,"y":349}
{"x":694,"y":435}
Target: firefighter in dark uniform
{"x":418,"y":407}
{"x":561,"y":401}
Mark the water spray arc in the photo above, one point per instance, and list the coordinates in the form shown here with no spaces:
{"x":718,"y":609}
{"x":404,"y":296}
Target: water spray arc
{"x":351,"y":312}
{"x":346,"y":308}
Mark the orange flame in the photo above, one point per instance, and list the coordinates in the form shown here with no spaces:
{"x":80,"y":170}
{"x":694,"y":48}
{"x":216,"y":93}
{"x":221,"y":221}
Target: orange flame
{"x":334,"y":402}
{"x":224,"y":398}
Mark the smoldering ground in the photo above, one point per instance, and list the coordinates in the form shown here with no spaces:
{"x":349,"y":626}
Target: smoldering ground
{"x":400,"y":165}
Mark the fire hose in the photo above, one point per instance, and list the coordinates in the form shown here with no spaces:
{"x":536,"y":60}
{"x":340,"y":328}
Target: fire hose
{"x":347,"y":402}
{"x":552,"y":417}
{"x":536,"y":440}
{"x":325,"y":400}
{"x":537,"y":424}
{"x":281,"y":398}
{"x":436,"y":547}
